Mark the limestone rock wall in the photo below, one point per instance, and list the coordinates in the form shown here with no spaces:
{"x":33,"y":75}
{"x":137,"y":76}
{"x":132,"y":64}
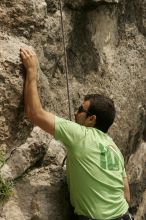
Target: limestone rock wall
{"x":106,"y":48}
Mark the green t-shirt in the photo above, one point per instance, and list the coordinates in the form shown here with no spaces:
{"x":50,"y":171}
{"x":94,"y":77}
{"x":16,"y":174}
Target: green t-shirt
{"x":95,"y":171}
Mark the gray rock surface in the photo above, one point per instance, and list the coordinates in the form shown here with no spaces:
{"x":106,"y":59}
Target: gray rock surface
{"x":13,"y":123}
{"x":83,"y":3}
{"x":137,"y":177}
{"x":106,"y":48}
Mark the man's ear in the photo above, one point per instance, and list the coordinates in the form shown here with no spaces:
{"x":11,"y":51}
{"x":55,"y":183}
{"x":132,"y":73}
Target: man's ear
{"x":93,"y":118}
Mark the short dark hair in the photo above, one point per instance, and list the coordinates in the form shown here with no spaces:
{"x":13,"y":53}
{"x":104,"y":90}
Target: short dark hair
{"x":104,"y":109}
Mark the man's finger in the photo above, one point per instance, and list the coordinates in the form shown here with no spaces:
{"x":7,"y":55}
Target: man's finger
{"x":22,"y":55}
{"x":28,"y":52}
{"x":25,"y":52}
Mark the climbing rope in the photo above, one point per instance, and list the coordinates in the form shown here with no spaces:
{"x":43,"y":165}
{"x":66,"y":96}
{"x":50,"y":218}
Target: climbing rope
{"x":66,"y":68}
{"x":65,"y":59}
{"x":8,"y":156}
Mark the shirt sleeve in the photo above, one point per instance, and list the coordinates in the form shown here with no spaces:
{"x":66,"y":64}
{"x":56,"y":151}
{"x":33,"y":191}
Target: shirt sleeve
{"x":123,"y":165}
{"x":69,"y":133}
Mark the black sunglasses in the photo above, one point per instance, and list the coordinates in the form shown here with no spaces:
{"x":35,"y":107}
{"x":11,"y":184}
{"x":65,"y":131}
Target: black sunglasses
{"x":81,"y":109}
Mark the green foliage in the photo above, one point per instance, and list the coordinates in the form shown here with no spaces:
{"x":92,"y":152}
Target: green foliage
{"x":6,"y":188}
{"x":2,"y":158}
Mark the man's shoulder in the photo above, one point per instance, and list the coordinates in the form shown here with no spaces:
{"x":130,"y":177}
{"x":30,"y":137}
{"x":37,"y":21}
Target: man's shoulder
{"x":65,"y":128}
{"x":66,"y":122}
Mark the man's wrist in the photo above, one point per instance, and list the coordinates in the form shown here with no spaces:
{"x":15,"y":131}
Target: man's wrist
{"x":31,"y":74}
{"x":32,"y":70}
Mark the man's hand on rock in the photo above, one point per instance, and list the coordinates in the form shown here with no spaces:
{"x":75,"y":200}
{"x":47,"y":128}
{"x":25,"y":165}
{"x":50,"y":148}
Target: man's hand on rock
{"x":30,"y":62}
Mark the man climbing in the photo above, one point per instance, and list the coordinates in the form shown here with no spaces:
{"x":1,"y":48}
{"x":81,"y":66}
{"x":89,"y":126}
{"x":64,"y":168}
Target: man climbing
{"x":96,"y":175}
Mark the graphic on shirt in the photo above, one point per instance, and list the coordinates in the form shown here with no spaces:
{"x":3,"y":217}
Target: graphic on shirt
{"x":108,"y":158}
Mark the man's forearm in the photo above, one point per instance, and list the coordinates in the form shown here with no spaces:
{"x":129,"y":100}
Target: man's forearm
{"x":32,"y":100}
{"x":33,"y":107}
{"x":126,"y":189}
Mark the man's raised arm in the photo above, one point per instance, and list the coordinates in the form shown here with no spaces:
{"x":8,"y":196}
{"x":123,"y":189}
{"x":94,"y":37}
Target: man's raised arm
{"x":33,"y":107}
